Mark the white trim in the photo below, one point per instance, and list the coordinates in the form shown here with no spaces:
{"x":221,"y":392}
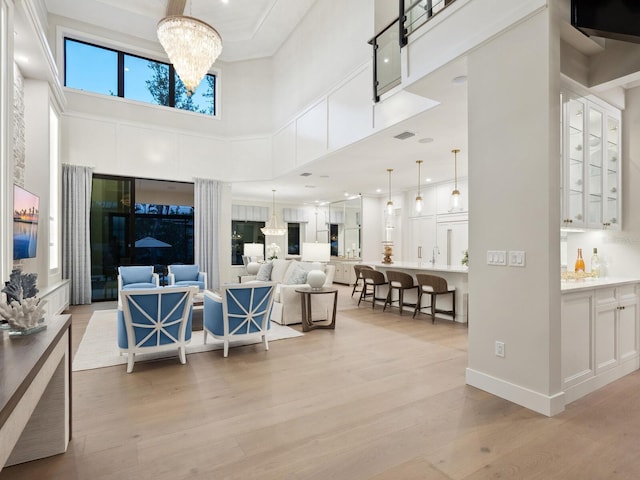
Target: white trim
{"x":536,"y":401}
{"x":598,"y":381}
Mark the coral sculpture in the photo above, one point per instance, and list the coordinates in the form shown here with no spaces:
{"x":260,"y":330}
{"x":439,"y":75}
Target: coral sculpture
{"x":23,"y":309}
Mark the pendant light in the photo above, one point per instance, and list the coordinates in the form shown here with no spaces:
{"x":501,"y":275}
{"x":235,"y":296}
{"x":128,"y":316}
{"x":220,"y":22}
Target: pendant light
{"x":419,"y":197}
{"x":389,"y":202}
{"x":456,"y":201}
{"x":273,"y":228}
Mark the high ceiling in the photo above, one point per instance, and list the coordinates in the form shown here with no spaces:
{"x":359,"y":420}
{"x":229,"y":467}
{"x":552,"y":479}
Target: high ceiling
{"x":257,"y":28}
{"x":249,"y":28}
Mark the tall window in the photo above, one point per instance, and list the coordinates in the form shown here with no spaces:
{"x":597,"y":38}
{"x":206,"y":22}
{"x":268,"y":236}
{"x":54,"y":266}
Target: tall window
{"x":293,"y":238}
{"x":112,"y":72}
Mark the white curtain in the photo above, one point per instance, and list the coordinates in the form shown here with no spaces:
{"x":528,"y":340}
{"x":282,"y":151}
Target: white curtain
{"x":206,"y":230}
{"x":76,"y":250}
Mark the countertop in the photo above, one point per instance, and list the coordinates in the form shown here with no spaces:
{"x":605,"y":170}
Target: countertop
{"x":424,"y":266}
{"x":590,"y":283}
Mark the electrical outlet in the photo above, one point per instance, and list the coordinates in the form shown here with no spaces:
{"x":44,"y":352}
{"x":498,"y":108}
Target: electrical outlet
{"x":499,"y":349}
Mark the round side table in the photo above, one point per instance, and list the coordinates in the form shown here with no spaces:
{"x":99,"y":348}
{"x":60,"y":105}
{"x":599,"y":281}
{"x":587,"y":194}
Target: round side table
{"x":305,"y":299}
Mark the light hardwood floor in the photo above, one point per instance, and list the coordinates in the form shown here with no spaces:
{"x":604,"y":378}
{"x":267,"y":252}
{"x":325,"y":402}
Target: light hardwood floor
{"x":382,"y":397}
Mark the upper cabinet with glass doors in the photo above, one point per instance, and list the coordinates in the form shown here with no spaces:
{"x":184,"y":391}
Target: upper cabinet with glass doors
{"x":591,"y":164}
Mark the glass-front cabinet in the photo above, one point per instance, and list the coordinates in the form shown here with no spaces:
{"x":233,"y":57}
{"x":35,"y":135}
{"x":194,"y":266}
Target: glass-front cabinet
{"x":591,"y":163}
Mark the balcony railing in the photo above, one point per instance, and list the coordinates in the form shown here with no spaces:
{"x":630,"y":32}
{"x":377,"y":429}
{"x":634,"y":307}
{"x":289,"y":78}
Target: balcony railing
{"x":390,"y":40}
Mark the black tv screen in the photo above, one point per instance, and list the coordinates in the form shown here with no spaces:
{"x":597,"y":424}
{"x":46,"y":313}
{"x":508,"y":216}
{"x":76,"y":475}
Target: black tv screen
{"x":617,"y":19}
{"x":25,"y":223}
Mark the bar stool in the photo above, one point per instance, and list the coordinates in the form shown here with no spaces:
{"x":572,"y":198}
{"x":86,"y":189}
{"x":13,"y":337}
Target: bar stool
{"x":358,"y":268}
{"x":433,"y":286}
{"x":372,"y":279}
{"x":401,"y":282}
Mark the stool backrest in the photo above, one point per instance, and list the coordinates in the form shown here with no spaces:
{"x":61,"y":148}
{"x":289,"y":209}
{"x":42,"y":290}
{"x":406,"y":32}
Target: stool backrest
{"x":358,"y":268}
{"x":400,"y":279}
{"x":436,"y":284}
{"x":373,"y":277}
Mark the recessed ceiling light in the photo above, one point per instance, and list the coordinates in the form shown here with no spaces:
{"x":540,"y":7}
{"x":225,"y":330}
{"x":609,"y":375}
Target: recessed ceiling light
{"x":427,"y":179}
{"x":346,"y":194}
{"x":462,"y":79}
{"x":386,"y":60}
{"x":378,"y":190}
{"x":425,"y":140}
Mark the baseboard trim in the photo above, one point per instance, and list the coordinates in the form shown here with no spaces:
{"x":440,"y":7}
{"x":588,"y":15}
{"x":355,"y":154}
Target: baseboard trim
{"x":536,"y":401}
{"x":598,"y":381}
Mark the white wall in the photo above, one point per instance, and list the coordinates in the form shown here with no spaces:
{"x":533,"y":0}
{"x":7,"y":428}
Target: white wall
{"x":328,"y":44}
{"x":514,"y":141}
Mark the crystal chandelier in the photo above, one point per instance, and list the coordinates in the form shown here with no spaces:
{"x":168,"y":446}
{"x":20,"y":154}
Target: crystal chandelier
{"x":273,"y":227}
{"x":192,"y":47}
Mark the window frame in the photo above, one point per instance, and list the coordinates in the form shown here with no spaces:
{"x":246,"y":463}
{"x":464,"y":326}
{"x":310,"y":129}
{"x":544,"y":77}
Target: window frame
{"x":70,"y":36}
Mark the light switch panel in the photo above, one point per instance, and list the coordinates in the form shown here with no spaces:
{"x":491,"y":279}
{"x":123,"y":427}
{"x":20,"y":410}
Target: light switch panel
{"x":517,"y":258}
{"x":496,"y":257}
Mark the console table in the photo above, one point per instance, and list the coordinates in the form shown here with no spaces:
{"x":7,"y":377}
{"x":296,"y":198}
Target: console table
{"x":35,"y":398}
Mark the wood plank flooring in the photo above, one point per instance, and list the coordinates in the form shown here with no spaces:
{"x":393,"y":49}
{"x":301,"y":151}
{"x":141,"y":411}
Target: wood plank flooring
{"x":382,"y":397}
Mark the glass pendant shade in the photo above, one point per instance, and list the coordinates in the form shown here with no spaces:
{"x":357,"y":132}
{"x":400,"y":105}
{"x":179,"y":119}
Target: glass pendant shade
{"x":419,"y":197}
{"x":192,"y":46}
{"x":389,"y":202}
{"x":273,"y":227}
{"x":455,"y":202}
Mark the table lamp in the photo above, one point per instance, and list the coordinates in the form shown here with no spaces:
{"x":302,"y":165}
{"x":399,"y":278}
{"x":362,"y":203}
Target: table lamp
{"x":316,"y":253}
{"x":253,"y":251}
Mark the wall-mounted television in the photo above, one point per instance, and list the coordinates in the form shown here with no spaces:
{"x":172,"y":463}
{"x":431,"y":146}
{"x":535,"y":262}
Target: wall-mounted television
{"x":25,"y":223}
{"x":617,"y":19}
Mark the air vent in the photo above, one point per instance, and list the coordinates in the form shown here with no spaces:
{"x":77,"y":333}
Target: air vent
{"x":306,"y":174}
{"x":404,"y":135}
{"x":309,"y":186}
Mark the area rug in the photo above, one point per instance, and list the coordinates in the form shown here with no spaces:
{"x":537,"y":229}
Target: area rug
{"x":98,"y":347}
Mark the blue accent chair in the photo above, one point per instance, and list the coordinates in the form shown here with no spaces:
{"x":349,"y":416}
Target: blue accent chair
{"x":187,"y":275}
{"x":135,"y":277}
{"x":240,"y":310}
{"x":155,"y":320}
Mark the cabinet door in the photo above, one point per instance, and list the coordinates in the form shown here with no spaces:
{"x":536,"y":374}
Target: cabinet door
{"x":611,"y":217}
{"x":594,"y":167}
{"x":577,"y":338}
{"x":453,"y":240}
{"x":627,"y":322}
{"x":423,"y":239}
{"x":574,"y":133}
{"x":606,"y":336}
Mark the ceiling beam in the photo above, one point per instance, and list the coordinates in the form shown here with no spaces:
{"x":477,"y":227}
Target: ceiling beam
{"x":175,"y":7}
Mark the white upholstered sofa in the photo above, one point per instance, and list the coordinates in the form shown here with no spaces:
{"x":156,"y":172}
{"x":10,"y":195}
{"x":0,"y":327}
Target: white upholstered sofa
{"x":289,"y":275}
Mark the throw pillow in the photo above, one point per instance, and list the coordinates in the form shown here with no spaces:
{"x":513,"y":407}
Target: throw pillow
{"x":296,"y":275}
{"x":264,"y":274}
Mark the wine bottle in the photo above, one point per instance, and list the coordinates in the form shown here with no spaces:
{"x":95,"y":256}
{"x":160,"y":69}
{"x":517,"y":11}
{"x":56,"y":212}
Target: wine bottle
{"x":579,"y":262}
{"x":595,"y":263}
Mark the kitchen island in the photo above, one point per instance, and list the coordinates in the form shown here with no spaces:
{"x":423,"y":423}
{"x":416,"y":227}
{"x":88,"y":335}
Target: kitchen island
{"x":456,"y":276}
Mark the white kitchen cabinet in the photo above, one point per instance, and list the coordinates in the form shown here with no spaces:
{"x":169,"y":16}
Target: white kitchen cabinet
{"x":599,"y":336}
{"x":591,"y":163}
{"x":577,"y":337}
{"x":452,"y":240}
{"x":423,"y":239}
{"x":345,"y":274}
{"x":616,"y":326}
